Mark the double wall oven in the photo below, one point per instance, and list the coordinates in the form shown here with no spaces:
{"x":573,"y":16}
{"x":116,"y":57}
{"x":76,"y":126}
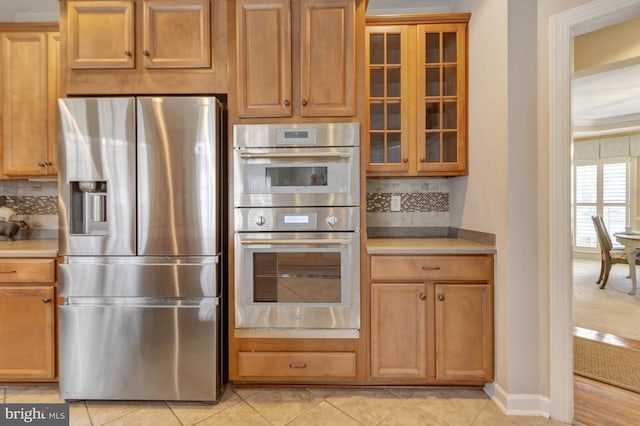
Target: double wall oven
{"x":297,"y":230}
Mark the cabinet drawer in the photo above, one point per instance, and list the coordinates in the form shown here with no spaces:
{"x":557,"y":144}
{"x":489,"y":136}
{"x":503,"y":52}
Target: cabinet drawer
{"x":431,"y":267}
{"x":297,"y":364}
{"x":27,"y":270}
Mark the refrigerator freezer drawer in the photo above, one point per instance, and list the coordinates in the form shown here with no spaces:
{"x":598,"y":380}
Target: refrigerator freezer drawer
{"x":132,"y":352}
{"x":139,"y":277}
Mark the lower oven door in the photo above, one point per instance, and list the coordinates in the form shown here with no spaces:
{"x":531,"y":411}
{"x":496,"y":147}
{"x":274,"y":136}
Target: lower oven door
{"x":293,"y":283}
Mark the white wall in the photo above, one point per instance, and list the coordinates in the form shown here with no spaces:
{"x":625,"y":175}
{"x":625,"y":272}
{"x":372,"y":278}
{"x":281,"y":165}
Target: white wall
{"x":507,"y":190}
{"x":479,"y":201}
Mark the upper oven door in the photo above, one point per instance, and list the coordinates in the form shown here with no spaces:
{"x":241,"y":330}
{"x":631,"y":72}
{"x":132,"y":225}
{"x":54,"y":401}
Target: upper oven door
{"x":296,"y":177}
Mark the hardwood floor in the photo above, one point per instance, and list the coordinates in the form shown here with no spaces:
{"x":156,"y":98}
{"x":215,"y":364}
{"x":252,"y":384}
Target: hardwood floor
{"x":597,"y":403}
{"x":611,"y":311}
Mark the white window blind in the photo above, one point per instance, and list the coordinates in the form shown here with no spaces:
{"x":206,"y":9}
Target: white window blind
{"x":601,"y":187}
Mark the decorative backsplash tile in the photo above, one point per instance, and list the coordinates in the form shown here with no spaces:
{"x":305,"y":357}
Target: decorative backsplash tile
{"x":424,"y":202}
{"x":409,"y":202}
{"x":33,"y":205}
{"x":35,"y":202}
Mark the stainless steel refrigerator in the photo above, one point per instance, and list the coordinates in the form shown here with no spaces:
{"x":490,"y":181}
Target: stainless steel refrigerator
{"x":140,"y":232}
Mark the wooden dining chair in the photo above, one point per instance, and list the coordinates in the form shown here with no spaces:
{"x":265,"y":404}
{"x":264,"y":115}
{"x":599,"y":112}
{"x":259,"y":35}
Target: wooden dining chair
{"x":608,"y":254}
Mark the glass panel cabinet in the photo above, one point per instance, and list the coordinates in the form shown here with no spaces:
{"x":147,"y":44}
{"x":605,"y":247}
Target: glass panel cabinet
{"x":387,"y":75}
{"x":416,"y":92}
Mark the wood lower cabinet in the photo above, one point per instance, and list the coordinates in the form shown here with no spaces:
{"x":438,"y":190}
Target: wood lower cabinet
{"x":296,"y":58}
{"x":27,"y":320}
{"x":295,"y":360}
{"x":400,"y":344}
{"x":464,"y":332}
{"x":145,"y":46}
{"x":297,"y":364}
{"x":431,"y":319}
{"x":29,"y":83}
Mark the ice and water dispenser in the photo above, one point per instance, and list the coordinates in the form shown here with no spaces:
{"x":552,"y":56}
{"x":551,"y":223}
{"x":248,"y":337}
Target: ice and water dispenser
{"x":89,"y":207}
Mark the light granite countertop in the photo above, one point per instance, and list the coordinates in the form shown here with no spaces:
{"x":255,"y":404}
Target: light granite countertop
{"x":29,"y":248}
{"x":427,"y":246}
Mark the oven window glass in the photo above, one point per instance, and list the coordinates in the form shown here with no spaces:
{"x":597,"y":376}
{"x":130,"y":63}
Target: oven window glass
{"x":301,"y":277}
{"x":296,"y":176}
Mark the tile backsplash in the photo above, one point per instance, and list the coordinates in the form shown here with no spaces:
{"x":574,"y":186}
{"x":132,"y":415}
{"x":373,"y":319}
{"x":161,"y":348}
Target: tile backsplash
{"x":35,"y":202}
{"x":424,"y":202}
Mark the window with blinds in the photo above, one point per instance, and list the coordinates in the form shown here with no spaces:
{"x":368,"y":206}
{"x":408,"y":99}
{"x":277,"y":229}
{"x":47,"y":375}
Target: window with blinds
{"x":601,"y":187}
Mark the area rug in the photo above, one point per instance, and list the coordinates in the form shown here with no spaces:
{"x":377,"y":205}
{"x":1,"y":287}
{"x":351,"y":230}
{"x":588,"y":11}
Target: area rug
{"x":607,"y":363}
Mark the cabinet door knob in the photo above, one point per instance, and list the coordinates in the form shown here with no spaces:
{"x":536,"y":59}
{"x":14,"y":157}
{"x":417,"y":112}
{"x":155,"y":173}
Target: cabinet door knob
{"x":441,"y":297}
{"x":46,"y":300}
{"x":430,"y":268}
{"x":405,"y":160}
{"x":304,"y":102}
{"x":48,"y":163}
{"x":127,"y":53}
{"x":423,"y":160}
{"x":423,"y":296}
{"x":145,"y":52}
{"x":41,"y":164}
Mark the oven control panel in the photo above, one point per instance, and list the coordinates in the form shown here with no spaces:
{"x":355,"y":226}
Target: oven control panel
{"x":297,"y":219}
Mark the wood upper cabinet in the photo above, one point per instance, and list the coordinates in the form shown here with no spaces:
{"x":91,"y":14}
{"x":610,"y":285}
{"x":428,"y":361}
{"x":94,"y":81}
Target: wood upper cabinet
{"x":27,"y":320}
{"x":295,"y":58}
{"x":174,"y":34}
{"x":432,"y":318}
{"x":101,"y":34}
{"x":417,"y":96}
{"x":145,"y":46}
{"x":327,"y":58}
{"x":30,"y":87}
{"x":54,"y":80}
{"x":263,"y":39}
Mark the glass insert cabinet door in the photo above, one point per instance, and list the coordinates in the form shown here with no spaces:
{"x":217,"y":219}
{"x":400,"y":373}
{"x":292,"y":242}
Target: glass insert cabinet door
{"x":416,"y":79}
{"x":387,"y":85}
{"x":442,"y":98}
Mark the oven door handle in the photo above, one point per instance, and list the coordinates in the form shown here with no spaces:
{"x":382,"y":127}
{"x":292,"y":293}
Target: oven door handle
{"x":318,"y":154}
{"x":293,"y":241}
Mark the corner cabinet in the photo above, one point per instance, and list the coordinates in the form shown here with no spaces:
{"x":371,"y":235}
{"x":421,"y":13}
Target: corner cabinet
{"x":145,"y":46}
{"x":439,"y":310}
{"x":27,"y":320}
{"x":30,"y":86}
{"x":416,"y":83}
{"x":296,"y":58}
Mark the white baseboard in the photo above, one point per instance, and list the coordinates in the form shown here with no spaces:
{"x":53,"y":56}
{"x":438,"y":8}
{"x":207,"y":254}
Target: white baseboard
{"x":518,"y":404}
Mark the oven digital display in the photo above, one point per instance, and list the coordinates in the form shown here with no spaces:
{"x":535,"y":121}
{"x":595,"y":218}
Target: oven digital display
{"x":292,"y":137}
{"x":291,"y":134}
{"x":296,"y":219}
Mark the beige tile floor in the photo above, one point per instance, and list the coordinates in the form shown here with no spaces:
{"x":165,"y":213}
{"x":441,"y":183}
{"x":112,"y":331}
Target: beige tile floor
{"x":283,"y":406}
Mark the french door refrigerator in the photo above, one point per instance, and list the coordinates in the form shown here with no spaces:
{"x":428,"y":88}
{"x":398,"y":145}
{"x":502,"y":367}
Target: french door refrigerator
{"x":139,"y":201}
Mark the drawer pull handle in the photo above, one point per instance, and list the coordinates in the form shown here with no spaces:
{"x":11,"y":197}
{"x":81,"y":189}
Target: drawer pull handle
{"x":293,"y":365}
{"x":423,"y":296}
{"x":431,"y":268}
{"x":46,"y":300}
{"x":8,"y":272}
{"x":441,"y":297}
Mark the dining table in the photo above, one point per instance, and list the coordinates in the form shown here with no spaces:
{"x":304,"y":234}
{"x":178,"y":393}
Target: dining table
{"x":631,"y":243}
